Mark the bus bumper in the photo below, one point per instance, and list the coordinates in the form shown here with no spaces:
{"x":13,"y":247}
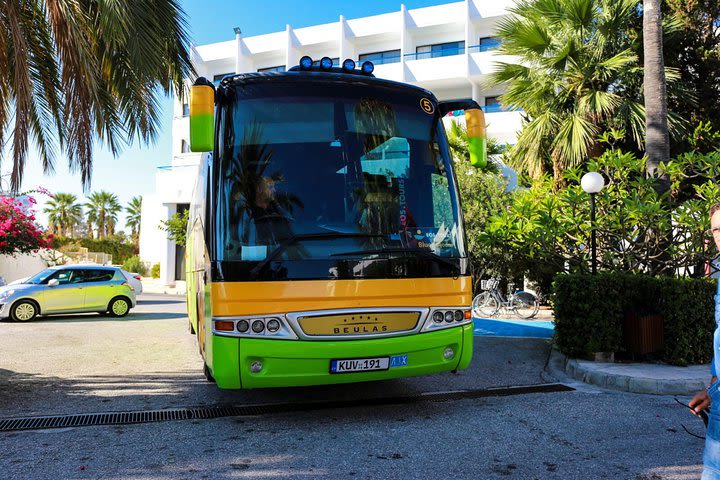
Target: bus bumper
{"x":290,"y":363}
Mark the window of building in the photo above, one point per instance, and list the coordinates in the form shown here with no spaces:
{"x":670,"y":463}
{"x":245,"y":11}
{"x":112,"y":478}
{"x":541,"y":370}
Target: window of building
{"x":336,"y":62}
{"x":279,"y":68}
{"x":492,"y":104}
{"x":440,"y":50}
{"x":185,"y":110}
{"x":217,"y":78}
{"x":379,"y":58}
{"x":184,"y":147}
{"x":489,"y":43}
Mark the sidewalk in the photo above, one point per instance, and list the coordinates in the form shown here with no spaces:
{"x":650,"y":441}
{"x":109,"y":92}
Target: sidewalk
{"x":153,"y":286}
{"x":651,"y":378}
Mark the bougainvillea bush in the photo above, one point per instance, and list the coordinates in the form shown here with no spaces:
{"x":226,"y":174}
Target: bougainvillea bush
{"x":19,"y":233}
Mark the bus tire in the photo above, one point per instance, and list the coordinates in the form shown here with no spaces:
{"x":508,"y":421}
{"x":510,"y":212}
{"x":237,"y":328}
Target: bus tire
{"x":206,"y":372}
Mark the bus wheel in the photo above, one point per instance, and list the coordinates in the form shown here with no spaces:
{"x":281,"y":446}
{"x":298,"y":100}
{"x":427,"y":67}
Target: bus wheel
{"x":208,"y":375}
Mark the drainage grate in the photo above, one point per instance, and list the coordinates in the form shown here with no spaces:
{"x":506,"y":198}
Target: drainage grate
{"x":151,"y":416}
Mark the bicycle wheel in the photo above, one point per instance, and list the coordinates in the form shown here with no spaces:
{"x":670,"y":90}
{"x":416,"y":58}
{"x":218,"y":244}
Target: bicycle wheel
{"x":525,"y":305}
{"x":484,"y":305}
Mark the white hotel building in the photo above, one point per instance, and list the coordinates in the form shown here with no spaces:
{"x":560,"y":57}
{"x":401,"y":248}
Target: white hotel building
{"x":448,"y":49}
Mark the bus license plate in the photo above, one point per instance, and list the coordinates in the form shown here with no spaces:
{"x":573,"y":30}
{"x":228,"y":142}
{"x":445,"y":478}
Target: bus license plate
{"x":359,"y":365}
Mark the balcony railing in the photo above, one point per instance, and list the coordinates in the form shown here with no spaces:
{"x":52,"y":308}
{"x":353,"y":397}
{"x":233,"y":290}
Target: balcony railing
{"x":484,"y":47}
{"x":494,"y":108}
{"x":381,"y":61}
{"x":447,"y":52}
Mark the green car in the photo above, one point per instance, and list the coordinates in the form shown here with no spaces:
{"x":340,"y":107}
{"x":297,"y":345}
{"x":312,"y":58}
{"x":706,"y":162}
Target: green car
{"x":68,"y":289}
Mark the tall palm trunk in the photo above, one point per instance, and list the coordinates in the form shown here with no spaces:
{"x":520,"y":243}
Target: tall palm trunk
{"x":657,"y":142}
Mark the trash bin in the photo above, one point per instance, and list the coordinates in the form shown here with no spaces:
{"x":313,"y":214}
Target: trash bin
{"x":643,"y":332}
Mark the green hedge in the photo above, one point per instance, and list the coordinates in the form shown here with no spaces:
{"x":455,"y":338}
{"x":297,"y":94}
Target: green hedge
{"x":120,"y":251}
{"x":589,"y":312}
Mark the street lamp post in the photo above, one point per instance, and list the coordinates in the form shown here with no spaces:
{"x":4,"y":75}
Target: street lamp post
{"x":592,"y":183}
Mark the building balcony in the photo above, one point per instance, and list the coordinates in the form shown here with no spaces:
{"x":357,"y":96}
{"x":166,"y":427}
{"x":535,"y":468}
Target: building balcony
{"x":424,"y":68}
{"x":484,"y":62}
{"x":175,"y":183}
{"x":503,"y":126}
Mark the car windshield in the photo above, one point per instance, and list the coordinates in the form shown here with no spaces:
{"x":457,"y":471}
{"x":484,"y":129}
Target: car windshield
{"x":39,"y":278}
{"x":339,"y":169}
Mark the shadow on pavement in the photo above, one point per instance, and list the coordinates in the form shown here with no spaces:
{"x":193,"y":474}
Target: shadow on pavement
{"x":497,"y":362}
{"x":94,"y":317}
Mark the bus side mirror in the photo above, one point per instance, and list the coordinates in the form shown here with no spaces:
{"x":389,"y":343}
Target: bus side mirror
{"x":202,"y":120}
{"x":477,"y":138}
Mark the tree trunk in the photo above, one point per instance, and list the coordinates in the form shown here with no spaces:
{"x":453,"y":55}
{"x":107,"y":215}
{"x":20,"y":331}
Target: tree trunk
{"x":657,"y":142}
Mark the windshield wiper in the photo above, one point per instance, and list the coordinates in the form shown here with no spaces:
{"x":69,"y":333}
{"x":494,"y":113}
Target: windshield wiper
{"x":422,"y":253}
{"x":306,"y":236}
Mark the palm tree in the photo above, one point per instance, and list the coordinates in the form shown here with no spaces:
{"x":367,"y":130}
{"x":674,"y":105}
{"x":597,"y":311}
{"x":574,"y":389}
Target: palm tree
{"x":102,"y":208}
{"x":71,"y":72}
{"x":132,"y":219}
{"x":575,"y":78}
{"x":63,"y":213}
{"x":657,"y":141}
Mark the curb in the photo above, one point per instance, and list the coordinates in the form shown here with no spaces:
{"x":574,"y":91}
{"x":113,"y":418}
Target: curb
{"x":624,"y":383}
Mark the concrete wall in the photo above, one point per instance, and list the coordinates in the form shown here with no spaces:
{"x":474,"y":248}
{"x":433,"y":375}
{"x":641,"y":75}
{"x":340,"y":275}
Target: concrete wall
{"x":22,"y":265}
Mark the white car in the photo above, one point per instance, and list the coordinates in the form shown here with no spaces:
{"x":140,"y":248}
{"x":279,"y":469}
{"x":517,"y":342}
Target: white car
{"x":135,"y":281}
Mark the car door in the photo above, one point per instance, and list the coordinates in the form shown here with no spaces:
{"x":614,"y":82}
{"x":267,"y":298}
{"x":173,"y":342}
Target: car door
{"x":67,"y":296}
{"x":99,"y":288}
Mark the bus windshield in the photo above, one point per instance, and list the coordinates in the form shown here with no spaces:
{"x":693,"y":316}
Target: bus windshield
{"x":329,"y":171}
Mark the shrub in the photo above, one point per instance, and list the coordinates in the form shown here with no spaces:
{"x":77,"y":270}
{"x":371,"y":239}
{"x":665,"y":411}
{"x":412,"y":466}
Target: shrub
{"x":155,"y":271}
{"x":589,"y":312}
{"x":119,"y":250}
{"x":19,"y":233}
{"x":134,"y":264}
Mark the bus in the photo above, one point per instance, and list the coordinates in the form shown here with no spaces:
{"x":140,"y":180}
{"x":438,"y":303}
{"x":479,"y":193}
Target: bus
{"x":325,"y":241}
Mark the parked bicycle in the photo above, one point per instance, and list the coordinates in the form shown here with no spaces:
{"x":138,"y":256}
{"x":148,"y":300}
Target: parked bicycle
{"x":489,"y":302}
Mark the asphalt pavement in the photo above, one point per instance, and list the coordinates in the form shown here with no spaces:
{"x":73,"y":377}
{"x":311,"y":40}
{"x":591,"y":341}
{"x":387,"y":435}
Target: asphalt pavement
{"x":88,"y":364}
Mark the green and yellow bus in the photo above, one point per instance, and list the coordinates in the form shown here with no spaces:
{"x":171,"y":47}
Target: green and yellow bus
{"x":325,"y":238}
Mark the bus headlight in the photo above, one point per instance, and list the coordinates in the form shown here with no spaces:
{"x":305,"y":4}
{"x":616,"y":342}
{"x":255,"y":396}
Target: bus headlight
{"x":275,"y":327}
{"x":449,"y":353}
{"x":258,"y":326}
{"x":446,"y":317}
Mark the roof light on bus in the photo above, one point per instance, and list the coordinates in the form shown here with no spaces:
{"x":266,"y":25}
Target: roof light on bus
{"x":224,"y":326}
{"x":326,"y":63}
{"x":306,"y":62}
{"x":367,"y":67}
{"x":348,"y":65}
{"x":258,"y":326}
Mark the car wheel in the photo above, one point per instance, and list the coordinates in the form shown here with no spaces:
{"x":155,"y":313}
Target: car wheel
{"x":24,"y":311}
{"x":119,"y":307}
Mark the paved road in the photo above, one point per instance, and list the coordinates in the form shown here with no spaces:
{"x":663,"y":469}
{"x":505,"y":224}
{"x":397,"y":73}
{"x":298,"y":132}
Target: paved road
{"x":148,"y":361}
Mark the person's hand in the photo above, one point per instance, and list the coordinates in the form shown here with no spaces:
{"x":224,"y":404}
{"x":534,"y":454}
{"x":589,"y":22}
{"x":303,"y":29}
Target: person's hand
{"x":699,"y":402}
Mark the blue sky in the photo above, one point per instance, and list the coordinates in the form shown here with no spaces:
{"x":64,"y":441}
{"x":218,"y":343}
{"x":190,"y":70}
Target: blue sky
{"x":133,"y":171}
